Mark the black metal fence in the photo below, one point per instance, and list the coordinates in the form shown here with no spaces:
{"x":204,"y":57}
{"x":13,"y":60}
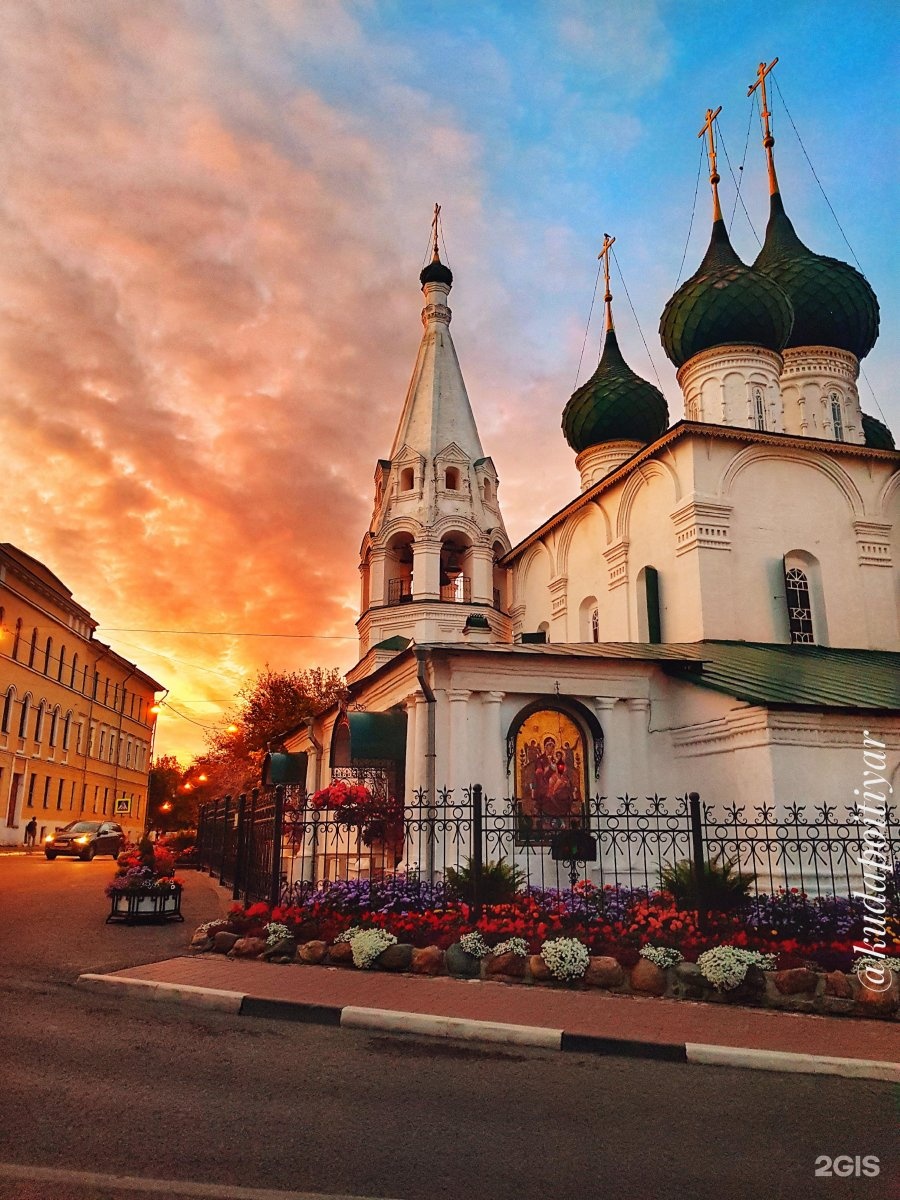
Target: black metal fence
{"x":273,"y":845}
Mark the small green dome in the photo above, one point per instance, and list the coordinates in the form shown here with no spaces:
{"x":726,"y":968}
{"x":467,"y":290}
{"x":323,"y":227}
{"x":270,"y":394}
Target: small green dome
{"x":878,"y":436}
{"x":724,"y":303}
{"x":614,"y":404}
{"x":834,"y":304}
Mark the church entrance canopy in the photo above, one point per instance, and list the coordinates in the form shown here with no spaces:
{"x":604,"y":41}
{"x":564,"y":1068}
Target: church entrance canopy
{"x":363,"y":738}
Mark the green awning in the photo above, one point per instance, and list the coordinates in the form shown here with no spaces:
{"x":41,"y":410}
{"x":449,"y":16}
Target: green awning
{"x":282,"y":767}
{"x":368,"y":737}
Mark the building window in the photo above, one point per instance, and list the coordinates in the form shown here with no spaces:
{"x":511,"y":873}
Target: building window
{"x":59,"y":795}
{"x":17,"y":638}
{"x":487,"y":489}
{"x":7,"y":710}
{"x":837,"y":417}
{"x":39,"y":722}
{"x":595,"y":625}
{"x":451,"y":479}
{"x":74,"y":669}
{"x":407,"y":479}
{"x":799,"y":606}
{"x":33,"y":651}
{"x":23,"y":717}
{"x":47,"y":792}
{"x":649,"y":611}
{"x":62,"y":663}
{"x":31,"y":782}
{"x":48,"y":655}
{"x":67,"y":730}
{"x":54,"y":727}
{"x":759,"y":408}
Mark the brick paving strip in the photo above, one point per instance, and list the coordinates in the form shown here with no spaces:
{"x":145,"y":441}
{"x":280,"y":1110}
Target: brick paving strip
{"x":554,"y":1018}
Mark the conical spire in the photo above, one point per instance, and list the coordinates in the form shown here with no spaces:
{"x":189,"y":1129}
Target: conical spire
{"x":615,"y":404}
{"x":834,"y":305}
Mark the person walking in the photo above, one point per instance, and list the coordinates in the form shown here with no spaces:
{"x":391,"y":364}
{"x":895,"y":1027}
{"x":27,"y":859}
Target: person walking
{"x":31,"y":833}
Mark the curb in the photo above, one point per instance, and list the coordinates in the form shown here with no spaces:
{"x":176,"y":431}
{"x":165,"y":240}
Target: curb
{"x":462,"y":1029}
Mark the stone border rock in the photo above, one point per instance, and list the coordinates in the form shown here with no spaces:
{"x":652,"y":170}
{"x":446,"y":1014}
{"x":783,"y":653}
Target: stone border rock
{"x":798,"y":989}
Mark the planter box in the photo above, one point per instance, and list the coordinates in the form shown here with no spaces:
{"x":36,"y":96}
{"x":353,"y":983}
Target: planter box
{"x":151,"y":905}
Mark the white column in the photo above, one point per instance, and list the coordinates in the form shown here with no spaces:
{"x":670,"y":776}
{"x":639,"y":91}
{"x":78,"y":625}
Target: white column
{"x":482,"y":560}
{"x":638,"y":745}
{"x":377,"y":587}
{"x":497,"y":786}
{"x":426,"y":569}
{"x":460,"y":764}
{"x":411,"y":704}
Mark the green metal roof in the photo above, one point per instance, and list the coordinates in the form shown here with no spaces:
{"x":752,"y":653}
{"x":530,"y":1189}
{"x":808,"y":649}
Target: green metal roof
{"x":761,"y":673}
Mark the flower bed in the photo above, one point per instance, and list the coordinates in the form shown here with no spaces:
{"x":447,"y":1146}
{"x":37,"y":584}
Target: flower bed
{"x":144,"y":886}
{"x":632,"y":941}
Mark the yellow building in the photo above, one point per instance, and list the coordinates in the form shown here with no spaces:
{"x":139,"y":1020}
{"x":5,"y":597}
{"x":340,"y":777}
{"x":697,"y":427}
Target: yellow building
{"x":76,"y":719}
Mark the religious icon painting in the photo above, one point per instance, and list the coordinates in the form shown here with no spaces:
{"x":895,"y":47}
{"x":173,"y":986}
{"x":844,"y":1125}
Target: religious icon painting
{"x":551,"y":773}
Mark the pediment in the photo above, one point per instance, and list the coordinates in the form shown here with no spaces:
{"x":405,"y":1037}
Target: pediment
{"x":452,"y":453}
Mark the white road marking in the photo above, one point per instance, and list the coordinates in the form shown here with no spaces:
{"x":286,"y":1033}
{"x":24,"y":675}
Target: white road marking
{"x":166,"y":1187}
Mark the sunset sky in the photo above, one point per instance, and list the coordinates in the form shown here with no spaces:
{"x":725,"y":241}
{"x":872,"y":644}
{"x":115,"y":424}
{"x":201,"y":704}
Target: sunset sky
{"x":212,"y":218}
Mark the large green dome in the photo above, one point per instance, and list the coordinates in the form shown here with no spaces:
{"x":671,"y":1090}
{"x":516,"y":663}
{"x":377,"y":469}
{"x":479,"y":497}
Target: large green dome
{"x":834,"y":304}
{"x":877,"y":434}
{"x":724,"y":303}
{"x":614,"y":404}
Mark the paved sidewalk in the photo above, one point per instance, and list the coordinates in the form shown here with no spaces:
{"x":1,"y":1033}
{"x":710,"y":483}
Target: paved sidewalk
{"x":648,"y":1027}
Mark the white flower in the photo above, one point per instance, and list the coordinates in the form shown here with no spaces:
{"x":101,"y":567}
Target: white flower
{"x":869,"y":960}
{"x":367,"y":944}
{"x":513,"y":945}
{"x":276,"y":933}
{"x":474,"y":944}
{"x":566,"y":958}
{"x":662,"y":956}
{"x":348,"y":935}
{"x":725,"y":967}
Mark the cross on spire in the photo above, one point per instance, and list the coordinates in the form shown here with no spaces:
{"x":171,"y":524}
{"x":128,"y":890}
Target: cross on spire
{"x":768,"y":140}
{"x":435,"y":257}
{"x":709,"y":130}
{"x":604,"y":258}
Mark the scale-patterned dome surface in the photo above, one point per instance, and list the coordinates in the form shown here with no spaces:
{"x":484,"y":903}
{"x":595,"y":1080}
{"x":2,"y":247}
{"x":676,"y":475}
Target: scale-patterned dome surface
{"x":834,"y":305}
{"x":877,"y":434}
{"x":614,"y":404}
{"x":724,"y":303}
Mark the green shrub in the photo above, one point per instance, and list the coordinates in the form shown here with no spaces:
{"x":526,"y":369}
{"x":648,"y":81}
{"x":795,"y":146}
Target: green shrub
{"x":724,"y":887}
{"x":499,"y":881}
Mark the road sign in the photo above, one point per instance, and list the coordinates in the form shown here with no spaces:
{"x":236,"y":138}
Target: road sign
{"x":123,"y":806}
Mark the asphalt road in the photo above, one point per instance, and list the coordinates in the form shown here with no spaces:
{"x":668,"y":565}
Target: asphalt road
{"x":191,"y":1104}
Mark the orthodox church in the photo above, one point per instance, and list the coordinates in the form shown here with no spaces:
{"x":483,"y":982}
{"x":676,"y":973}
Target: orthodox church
{"x":716,"y":610}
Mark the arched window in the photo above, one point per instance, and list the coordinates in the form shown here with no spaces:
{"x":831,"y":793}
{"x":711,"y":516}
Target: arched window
{"x":48,"y":655}
{"x":595,"y":625}
{"x":7,"y":709}
{"x":54,"y":727}
{"x":23,"y":715}
{"x":17,"y":638}
{"x":102,"y":748}
{"x":62,"y":663}
{"x":837,"y":417}
{"x":487,"y":489}
{"x":649,"y":612}
{"x":74,"y":669}
{"x":799,"y":603}
{"x":39,"y":721}
{"x":451,"y":479}
{"x":759,"y":408}
{"x":586,"y":619}
{"x":407,"y":479}
{"x":33,"y":651}
{"x":96,"y":683}
{"x":67,"y":730}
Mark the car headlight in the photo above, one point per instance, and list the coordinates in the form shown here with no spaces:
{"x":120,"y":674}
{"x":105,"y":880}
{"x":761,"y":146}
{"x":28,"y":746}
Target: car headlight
{"x":49,"y":837}
{"x":82,"y":841}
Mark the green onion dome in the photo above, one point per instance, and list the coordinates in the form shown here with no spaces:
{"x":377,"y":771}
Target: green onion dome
{"x":614,"y":404}
{"x":834,"y":304}
{"x":877,"y":434}
{"x":436,"y":272}
{"x":725,"y":303}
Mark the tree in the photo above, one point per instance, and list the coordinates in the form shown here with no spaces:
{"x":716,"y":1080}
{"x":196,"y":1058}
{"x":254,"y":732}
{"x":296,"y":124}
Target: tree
{"x":271,"y":704}
{"x":169,"y":805}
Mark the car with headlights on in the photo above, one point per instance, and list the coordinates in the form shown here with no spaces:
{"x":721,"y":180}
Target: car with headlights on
{"x":85,"y":839}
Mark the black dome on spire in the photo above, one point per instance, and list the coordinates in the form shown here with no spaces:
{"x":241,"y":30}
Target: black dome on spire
{"x":834,"y":305}
{"x":436,"y":272}
{"x":724,"y":303}
{"x":614,"y":404}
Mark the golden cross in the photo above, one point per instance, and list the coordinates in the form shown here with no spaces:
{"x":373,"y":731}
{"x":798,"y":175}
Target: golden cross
{"x":768,"y":140}
{"x":708,"y":128}
{"x":604,"y":258}
{"x":434,"y":230}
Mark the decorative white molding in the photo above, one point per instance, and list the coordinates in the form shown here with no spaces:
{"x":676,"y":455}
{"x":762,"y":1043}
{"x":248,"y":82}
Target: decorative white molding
{"x":702,"y":525}
{"x":558,"y":589}
{"x":873,"y":543}
{"x":616,"y":557}
{"x":436,"y":312}
{"x":596,"y":462}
